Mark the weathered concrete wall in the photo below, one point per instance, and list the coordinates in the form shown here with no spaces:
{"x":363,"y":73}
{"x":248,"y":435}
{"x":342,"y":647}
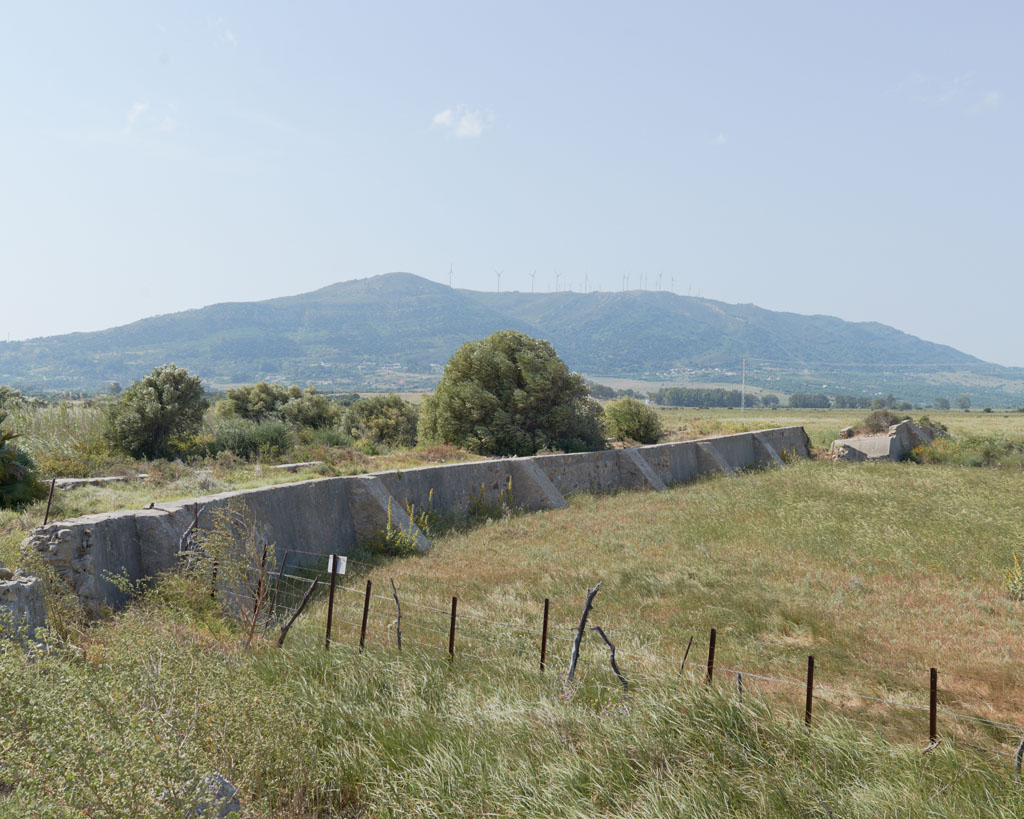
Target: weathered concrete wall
{"x":332,"y":515}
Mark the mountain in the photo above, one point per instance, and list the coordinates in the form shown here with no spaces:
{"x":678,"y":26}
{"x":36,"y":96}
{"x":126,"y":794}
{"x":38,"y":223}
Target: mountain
{"x":397,"y":331}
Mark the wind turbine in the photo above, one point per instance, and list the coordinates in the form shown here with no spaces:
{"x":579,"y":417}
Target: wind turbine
{"x":533,"y":275}
{"x":556,"y":281}
{"x":586,"y":278}
{"x":659,"y":282}
{"x":450,"y":275}
{"x":498,"y":274}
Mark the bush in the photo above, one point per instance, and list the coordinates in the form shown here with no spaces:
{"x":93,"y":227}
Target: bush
{"x":509,"y":394}
{"x":382,"y":420}
{"x":247,"y":439}
{"x":165,"y":405}
{"x":881,"y":420}
{"x":310,"y":409}
{"x":257,"y":402}
{"x":629,"y":419}
{"x":19,"y":485}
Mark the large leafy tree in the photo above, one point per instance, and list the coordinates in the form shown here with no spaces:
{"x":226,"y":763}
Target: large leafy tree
{"x":166,"y":404}
{"x":510,"y":394}
{"x":19,"y":485}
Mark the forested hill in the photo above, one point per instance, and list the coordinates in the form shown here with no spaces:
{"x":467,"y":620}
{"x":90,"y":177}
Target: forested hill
{"x":399,"y":329}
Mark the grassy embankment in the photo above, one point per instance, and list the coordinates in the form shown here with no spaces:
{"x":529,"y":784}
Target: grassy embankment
{"x":878,"y":570}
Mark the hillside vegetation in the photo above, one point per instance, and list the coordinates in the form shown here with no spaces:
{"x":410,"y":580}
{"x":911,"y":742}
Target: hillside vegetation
{"x":396,"y":331}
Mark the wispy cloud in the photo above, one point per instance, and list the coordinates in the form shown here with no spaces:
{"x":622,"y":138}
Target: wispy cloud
{"x":462,"y":122}
{"x":990,"y":100}
{"x":220,"y":28}
{"x":721,"y":139}
{"x":135,"y":113}
{"x":953,"y":88}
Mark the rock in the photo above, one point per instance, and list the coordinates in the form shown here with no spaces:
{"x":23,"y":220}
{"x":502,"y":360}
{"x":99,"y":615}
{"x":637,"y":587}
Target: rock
{"x":22,"y":608}
{"x":6,"y":574}
{"x":846,"y":432}
{"x":218,"y":798}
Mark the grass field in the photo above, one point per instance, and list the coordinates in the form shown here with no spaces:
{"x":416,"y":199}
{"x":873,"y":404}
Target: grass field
{"x":878,"y":570}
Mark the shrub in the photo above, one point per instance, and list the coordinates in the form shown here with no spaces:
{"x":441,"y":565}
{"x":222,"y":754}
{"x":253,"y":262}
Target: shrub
{"x":629,"y":419}
{"x":509,"y":394}
{"x":247,"y":439}
{"x":385,"y":420}
{"x":257,"y":402}
{"x":166,"y":404}
{"x":880,"y":421}
{"x":311,"y":409}
{"x":19,"y":485}
{"x":1014,"y":580}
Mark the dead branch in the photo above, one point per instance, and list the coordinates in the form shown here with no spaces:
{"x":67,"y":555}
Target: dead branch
{"x":615,"y":667}
{"x":579,"y":631}
{"x":298,"y":611}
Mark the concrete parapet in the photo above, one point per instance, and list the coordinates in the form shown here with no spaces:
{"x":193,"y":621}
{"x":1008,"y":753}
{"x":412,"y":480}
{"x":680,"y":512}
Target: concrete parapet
{"x":333,"y":515}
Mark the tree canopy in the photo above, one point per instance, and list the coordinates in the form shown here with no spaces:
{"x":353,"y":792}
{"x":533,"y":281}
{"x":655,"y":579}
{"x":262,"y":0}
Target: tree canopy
{"x":166,"y":404}
{"x":510,"y":394}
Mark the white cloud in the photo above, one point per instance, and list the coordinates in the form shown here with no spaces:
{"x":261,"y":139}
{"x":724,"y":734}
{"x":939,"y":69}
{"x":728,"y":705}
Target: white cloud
{"x":990,"y":100}
{"x":462,"y":122}
{"x":721,"y":139}
{"x":230,"y":37}
{"x":134,"y":113}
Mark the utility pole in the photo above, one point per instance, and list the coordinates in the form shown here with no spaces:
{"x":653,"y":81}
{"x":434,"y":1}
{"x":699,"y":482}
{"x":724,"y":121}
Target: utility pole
{"x":743,"y":393}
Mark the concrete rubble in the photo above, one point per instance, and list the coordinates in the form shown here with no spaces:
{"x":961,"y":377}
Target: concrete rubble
{"x":22,"y":607}
{"x":894,"y":445}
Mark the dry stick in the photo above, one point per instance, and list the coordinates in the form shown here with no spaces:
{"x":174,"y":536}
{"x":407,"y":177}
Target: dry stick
{"x":451,"y":630}
{"x":366,"y":614}
{"x":49,"y":500}
{"x":277,"y":586}
{"x":544,"y":634}
{"x":257,"y":602}
{"x":579,"y":631}
{"x":330,"y":604}
{"x":711,"y":656}
{"x":682,"y":665}
{"x":615,"y":667}
{"x":398,"y":622}
{"x":298,"y":611}
{"x":933,"y":733}
{"x":810,"y":690}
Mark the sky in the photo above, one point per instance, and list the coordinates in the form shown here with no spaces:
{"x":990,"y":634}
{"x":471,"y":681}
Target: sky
{"x":862,"y":160}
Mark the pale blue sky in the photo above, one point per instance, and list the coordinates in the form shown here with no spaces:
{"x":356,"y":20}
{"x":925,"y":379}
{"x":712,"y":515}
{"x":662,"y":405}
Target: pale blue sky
{"x":858,"y":159}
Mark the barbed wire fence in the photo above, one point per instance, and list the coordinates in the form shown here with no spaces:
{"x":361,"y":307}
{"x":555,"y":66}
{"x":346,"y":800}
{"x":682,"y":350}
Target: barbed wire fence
{"x":452,"y":627}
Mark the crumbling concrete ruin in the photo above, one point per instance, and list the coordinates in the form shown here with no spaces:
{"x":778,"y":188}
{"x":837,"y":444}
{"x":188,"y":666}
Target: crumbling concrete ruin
{"x":894,"y":445}
{"x":334,"y":515}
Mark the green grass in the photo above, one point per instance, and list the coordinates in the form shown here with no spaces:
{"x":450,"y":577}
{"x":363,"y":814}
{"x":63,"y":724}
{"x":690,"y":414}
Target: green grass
{"x":879,"y":570}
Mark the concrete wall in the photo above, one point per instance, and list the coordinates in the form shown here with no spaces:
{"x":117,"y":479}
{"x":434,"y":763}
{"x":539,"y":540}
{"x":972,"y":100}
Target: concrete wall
{"x":332,"y":515}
